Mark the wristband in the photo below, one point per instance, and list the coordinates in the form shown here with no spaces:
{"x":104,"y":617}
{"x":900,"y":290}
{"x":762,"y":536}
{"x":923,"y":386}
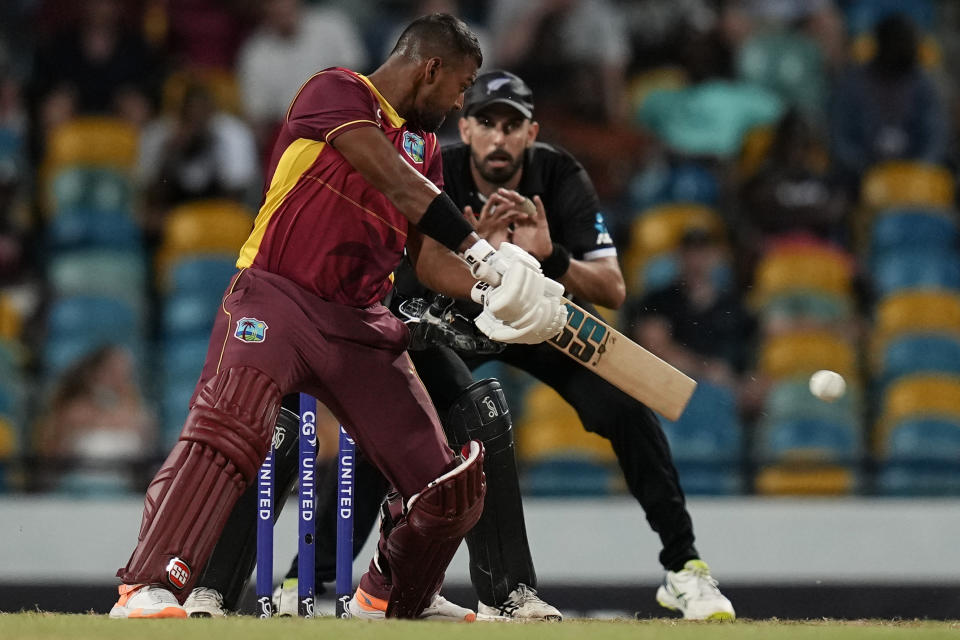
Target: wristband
{"x":443,"y":222}
{"x":557,"y":263}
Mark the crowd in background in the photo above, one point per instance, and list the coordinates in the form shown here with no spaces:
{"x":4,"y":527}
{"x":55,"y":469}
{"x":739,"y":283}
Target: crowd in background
{"x":778,"y":175}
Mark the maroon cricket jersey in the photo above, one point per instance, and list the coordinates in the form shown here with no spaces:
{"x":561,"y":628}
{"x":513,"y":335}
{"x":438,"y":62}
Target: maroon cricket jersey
{"x":322,"y":225}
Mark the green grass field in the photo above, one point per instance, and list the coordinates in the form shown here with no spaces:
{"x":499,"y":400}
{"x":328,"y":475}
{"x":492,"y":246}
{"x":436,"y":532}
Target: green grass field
{"x":44,"y":626}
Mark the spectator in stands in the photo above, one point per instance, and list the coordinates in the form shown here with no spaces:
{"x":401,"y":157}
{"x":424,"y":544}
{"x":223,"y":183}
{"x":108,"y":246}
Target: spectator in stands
{"x":888,"y":108}
{"x":13,"y":173}
{"x":697,"y":323}
{"x":201,"y":152}
{"x":819,"y":19}
{"x":792,"y":193}
{"x":291,"y":43}
{"x":572,"y":53}
{"x":710,"y":117}
{"x":206,"y":34}
{"x":97,"y":418}
{"x":95,"y":66}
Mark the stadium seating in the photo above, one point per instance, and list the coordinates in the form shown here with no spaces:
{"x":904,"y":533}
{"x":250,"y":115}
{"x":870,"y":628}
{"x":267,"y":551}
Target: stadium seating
{"x":707,"y":442}
{"x":788,"y":63}
{"x":657,"y":232}
{"x":919,"y":353}
{"x":202,"y":275}
{"x":101,"y":272}
{"x":79,"y":324}
{"x":799,"y":353}
{"x":911,"y":229}
{"x":207,"y":227}
{"x":921,"y":395}
{"x":802,"y":268}
{"x":915,"y":269}
{"x":90,"y":189}
{"x":685,"y":182}
{"x":557,"y":456}
{"x":903,"y":183}
{"x":806,"y":480}
{"x":916,"y":311}
{"x":920,"y":456}
{"x":187,"y":315}
{"x":92,"y":141}
{"x":83,"y":228}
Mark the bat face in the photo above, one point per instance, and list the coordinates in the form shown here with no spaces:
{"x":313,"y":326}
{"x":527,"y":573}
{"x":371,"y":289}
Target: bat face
{"x":583,"y":338}
{"x":623,"y":363}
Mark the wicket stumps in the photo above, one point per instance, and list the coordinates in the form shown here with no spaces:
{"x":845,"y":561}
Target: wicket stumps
{"x":306,"y":547}
{"x":345,"y":471}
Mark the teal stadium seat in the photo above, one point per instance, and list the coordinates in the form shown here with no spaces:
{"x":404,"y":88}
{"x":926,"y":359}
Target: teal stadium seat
{"x":808,"y":440}
{"x":920,"y":353}
{"x":684,"y":182}
{"x":912,"y":230}
{"x":915,"y":269}
{"x":188,"y":315}
{"x":790,"y":399}
{"x":707,"y":442}
{"x":108,"y":273}
{"x":91,"y":188}
{"x":203,"y":275}
{"x":86,"y":228}
{"x":922,"y":457}
{"x":79,"y":324}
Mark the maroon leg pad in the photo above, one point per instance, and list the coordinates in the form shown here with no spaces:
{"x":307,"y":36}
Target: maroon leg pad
{"x":223,"y":443}
{"x":424,"y":541}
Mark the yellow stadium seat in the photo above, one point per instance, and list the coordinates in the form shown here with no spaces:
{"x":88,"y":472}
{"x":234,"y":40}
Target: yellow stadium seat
{"x":800,"y":480}
{"x":10,"y":321}
{"x":904,"y":183}
{"x":658,"y":230}
{"x":550,"y":427}
{"x":802,"y":268}
{"x":918,"y":395}
{"x":92,"y":141}
{"x":203,"y":227}
{"x":914,"y":311}
{"x":8,"y":438}
{"x":803,"y":352}
{"x":221,"y":83}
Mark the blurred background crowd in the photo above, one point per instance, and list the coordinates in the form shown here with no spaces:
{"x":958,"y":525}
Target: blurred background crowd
{"x":779,"y":176}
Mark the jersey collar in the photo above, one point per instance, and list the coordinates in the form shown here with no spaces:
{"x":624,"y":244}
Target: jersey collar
{"x":393,"y":118}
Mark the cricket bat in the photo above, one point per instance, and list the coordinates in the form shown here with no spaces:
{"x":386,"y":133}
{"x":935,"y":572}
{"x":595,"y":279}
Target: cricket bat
{"x":623,"y":363}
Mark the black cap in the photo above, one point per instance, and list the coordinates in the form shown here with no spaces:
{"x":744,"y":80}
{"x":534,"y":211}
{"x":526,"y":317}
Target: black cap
{"x":499,"y":87}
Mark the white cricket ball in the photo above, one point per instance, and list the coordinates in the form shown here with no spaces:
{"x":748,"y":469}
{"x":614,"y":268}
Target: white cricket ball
{"x":827,"y":385}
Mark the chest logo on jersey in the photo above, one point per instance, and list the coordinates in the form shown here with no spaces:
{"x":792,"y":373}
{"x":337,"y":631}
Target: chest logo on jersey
{"x":250,"y":330}
{"x":413,"y":146}
{"x":603,"y":236}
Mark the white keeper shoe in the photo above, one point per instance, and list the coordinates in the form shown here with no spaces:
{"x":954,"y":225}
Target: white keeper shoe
{"x":204,"y":602}
{"x":693,"y":592}
{"x":146,"y":601}
{"x":366,"y":607}
{"x":523,"y":604}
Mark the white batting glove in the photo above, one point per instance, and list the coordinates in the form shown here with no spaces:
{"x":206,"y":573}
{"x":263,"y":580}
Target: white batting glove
{"x":489,"y":264}
{"x":544,"y":321}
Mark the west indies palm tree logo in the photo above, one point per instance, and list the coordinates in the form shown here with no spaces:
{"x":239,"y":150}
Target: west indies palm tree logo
{"x":413,"y":146}
{"x":250,"y":330}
